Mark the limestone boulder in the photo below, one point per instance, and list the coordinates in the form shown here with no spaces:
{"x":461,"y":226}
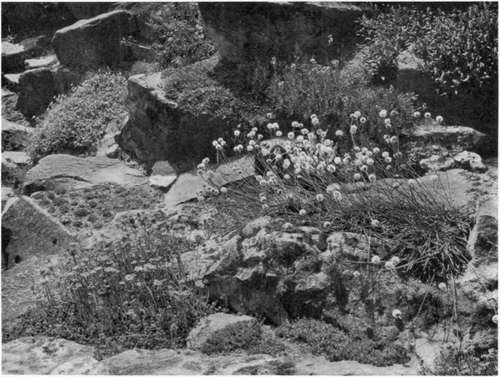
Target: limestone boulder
{"x":34,"y":231}
{"x":281,"y":29}
{"x":94,"y":42}
{"x":14,"y":166}
{"x":38,"y":87}
{"x":176,"y":114}
{"x":61,"y":170}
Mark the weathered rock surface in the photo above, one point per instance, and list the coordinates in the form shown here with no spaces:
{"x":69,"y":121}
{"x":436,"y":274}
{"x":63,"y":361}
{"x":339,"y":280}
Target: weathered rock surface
{"x":88,"y":9}
{"x":14,"y":136}
{"x":187,"y":187}
{"x":33,"y":230}
{"x":94,"y":42}
{"x":283,"y":30}
{"x":14,"y":54}
{"x":466,"y":137}
{"x":43,"y":355}
{"x":38,"y":87}
{"x":76,"y":172}
{"x":470,"y":161}
{"x":37,"y":355}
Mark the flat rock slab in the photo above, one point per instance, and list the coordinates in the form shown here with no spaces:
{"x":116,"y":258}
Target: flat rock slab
{"x":34,"y":231}
{"x":467,"y":137}
{"x":44,"y":355}
{"x":45,"y":61}
{"x":187,"y":187}
{"x":76,"y":172}
{"x":12,"y":56}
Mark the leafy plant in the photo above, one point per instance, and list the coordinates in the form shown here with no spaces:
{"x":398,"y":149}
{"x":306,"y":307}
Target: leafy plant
{"x":457,"y":361}
{"x":75,"y":122}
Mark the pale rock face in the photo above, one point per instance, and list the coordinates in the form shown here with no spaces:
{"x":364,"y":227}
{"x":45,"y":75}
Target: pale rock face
{"x":43,"y":355}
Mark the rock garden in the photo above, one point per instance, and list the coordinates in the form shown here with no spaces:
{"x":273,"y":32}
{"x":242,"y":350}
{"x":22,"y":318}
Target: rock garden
{"x":249,"y":188}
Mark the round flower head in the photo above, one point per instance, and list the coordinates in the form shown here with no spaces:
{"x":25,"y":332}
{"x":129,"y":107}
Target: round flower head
{"x":327,"y":224}
{"x":375,"y":259}
{"x":337,"y":160}
{"x":237,"y":133}
{"x":494,"y":319}
{"x":375,"y":223}
{"x":206,"y":160}
{"x":353,"y":129}
{"x":357,"y":176}
{"x":370,"y":161}
{"x":300,"y":139}
{"x":382,"y":113}
{"x":442,"y":286}
{"x":291,"y":135}
{"x":394,"y":113}
{"x":315,"y":122}
{"x":439,"y":119}
{"x":376,"y":150}
{"x":260,"y":136}
{"x":337,"y":195}
{"x":215,"y":143}
{"x":396,"y":313}
{"x":287,"y":226}
{"x":357,"y":114}
{"x":387,"y":122}
{"x":304,"y":131}
{"x":330,"y":168}
{"x":286,"y":177}
{"x":388,"y":167}
{"x":295,"y":124}
{"x":389,"y":265}
{"x":339,"y":133}
{"x":416,"y":114}
{"x":395,"y":260}
{"x":302,"y":212}
{"x":320,"y":197}
{"x":250,"y":148}
{"x":427,"y":115}
{"x":279,"y":133}
{"x":372,"y":177}
{"x":356,"y":274}
{"x":362,"y":120}
{"x":364,"y":168}
{"x":388,"y":160}
{"x":223,"y":190}
{"x":313,"y":116}
{"x":269,"y":116}
{"x":394,"y":139}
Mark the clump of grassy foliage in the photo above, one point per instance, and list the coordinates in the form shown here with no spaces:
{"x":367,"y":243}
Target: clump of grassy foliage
{"x":132,"y":293}
{"x":75,"y":122}
{"x":349,"y":182}
{"x":333,"y":93}
{"x":335,"y":344}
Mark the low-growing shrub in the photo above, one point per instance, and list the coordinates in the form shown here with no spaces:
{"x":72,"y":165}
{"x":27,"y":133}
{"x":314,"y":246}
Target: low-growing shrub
{"x":234,"y":337}
{"x":335,"y":345}
{"x":75,"y":122}
{"x":132,"y":293}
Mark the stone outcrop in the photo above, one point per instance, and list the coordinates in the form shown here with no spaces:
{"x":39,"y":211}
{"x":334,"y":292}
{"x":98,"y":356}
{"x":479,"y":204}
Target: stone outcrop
{"x":448,"y":136}
{"x":38,"y":87}
{"x":165,"y":124}
{"x":14,"y":54}
{"x":94,"y":42}
{"x":61,"y":170}
{"x":282,"y":30}
{"x":33,"y":230}
{"x":14,"y":166}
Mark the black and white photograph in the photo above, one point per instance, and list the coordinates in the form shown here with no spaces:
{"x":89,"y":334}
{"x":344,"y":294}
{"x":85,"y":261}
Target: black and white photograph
{"x":249,"y":188}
